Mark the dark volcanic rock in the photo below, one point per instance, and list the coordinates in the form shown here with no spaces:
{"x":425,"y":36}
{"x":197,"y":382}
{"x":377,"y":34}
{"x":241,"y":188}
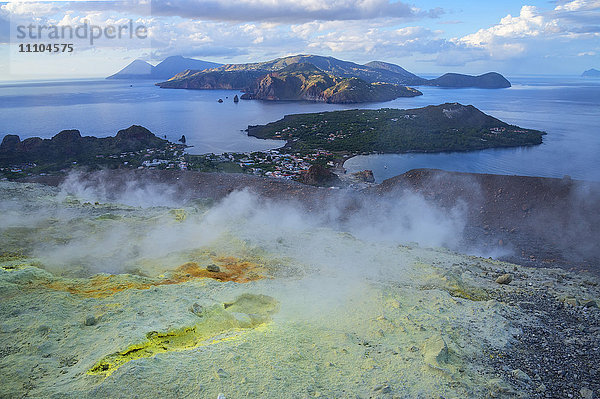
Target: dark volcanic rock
{"x":364,"y":176}
{"x":67,"y":137}
{"x":213,"y":268}
{"x":69,"y":142}
{"x":69,"y":146}
{"x":134,"y":138}
{"x":135,"y":132}
{"x":10,"y":142}
{"x":541,"y":221}
{"x":318,"y":175}
{"x":31,"y":144}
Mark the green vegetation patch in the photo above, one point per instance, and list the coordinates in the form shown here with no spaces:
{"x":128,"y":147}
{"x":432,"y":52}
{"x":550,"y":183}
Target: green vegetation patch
{"x":446,"y":127}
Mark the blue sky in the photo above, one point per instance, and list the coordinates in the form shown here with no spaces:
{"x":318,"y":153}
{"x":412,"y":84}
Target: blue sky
{"x":428,"y":36}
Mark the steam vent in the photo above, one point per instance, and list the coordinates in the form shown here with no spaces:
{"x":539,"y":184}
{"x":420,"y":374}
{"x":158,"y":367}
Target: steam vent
{"x":107,"y":296}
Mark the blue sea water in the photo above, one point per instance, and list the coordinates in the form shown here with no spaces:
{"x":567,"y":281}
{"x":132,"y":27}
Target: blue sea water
{"x":567,"y":108}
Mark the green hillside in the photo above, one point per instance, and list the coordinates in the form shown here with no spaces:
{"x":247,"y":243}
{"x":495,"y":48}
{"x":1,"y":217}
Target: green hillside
{"x":446,"y":127}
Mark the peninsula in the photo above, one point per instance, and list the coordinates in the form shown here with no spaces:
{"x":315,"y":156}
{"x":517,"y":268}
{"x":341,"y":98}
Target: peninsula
{"x":446,"y":127}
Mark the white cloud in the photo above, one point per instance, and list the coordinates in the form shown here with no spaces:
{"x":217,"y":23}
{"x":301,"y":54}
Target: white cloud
{"x":29,"y":9}
{"x":358,"y":30}
{"x":289,"y":10}
{"x":529,"y":23}
{"x":532,"y":28}
{"x":579,"y":5}
{"x":378,"y":40}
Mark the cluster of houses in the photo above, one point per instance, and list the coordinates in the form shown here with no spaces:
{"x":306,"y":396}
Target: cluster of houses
{"x":18,"y":168}
{"x":270,"y":163}
{"x":275,"y":164}
{"x":171,"y":157}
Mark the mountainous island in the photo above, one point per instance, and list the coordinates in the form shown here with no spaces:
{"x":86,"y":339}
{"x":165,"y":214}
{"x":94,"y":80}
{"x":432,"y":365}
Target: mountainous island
{"x":317,"y":78}
{"x":591,"y":73}
{"x":490,"y":80}
{"x":446,"y":127}
{"x":140,"y":69}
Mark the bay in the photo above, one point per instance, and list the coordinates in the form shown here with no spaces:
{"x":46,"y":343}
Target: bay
{"x":567,"y":109}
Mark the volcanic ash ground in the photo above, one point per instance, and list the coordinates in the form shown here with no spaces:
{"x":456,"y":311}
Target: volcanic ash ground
{"x":248,"y":299}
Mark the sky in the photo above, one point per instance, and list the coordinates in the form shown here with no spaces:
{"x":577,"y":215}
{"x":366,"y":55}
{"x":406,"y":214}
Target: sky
{"x":426,"y":37}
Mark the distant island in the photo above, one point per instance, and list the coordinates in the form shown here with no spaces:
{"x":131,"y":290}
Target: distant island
{"x":591,"y":73}
{"x":490,"y":80}
{"x":140,"y":69}
{"x":309,"y":77}
{"x":446,"y":127}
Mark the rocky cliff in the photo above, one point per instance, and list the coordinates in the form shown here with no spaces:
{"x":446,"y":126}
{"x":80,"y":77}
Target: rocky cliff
{"x":306,"y":82}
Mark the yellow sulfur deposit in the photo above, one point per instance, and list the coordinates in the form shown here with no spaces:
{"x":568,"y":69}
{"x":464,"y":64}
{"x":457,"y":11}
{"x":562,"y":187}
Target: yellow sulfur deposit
{"x":101,"y":286}
{"x":179,"y":214}
{"x":453,"y":284}
{"x":246,"y":312}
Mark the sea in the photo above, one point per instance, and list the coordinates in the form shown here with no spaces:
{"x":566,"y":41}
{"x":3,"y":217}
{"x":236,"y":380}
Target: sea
{"x":567,"y":108}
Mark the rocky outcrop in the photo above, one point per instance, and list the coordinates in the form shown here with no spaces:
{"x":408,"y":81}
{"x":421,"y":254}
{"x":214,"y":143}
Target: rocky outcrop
{"x":10,"y":142}
{"x":134,"y":138}
{"x":364,"y":176}
{"x":69,"y":145}
{"x":320,"y":176}
{"x":541,"y":221}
